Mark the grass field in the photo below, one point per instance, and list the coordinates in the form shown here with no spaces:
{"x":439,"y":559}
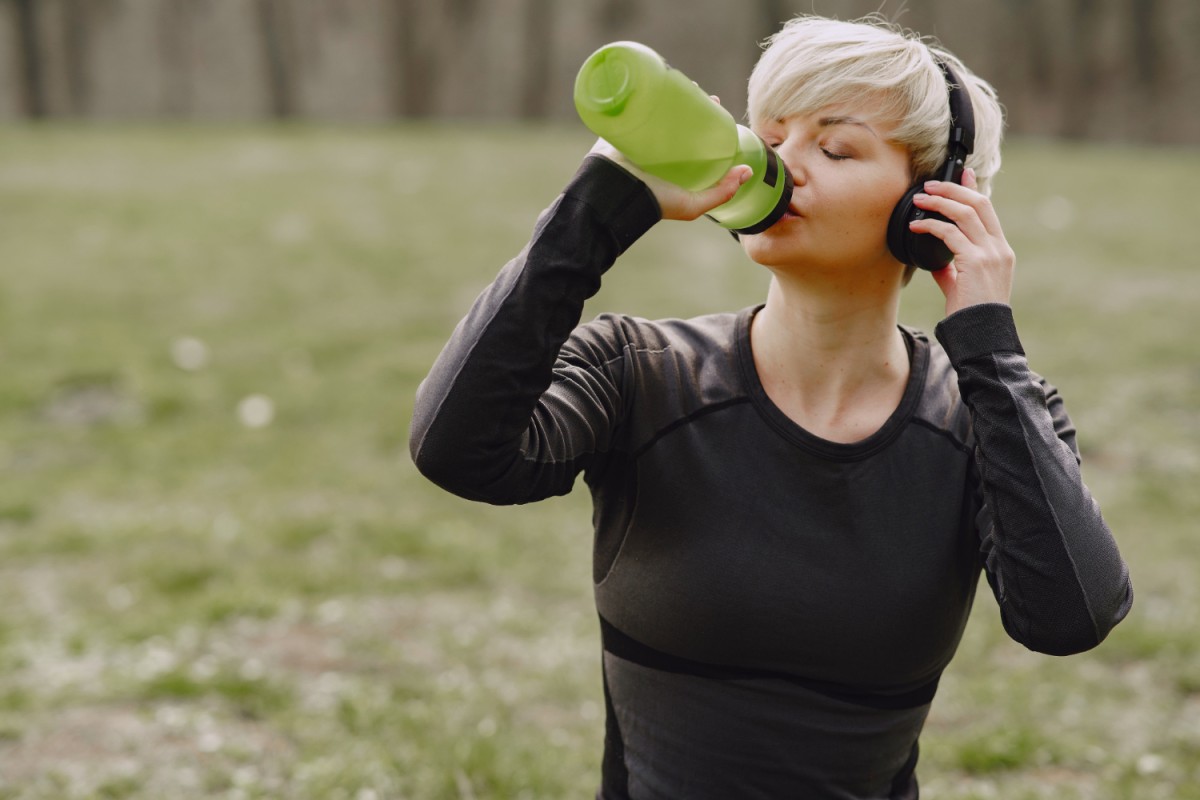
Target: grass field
{"x":220,"y":575}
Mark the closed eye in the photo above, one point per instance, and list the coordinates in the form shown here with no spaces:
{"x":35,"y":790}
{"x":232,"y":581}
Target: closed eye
{"x":834,"y":156}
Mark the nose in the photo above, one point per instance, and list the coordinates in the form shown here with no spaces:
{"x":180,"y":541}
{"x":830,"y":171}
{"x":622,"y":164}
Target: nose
{"x":788,"y":153}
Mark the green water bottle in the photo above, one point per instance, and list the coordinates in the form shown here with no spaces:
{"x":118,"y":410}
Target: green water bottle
{"x":668,"y":126}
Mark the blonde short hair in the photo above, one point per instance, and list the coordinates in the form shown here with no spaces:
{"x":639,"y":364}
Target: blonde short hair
{"x":814,"y":62}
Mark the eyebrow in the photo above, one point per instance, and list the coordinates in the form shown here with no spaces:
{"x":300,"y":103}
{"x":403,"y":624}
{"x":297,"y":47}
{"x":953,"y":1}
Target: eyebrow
{"x":825,"y":122}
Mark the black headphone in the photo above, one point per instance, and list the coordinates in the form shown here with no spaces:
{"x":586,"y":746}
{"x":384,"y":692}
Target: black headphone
{"x":925,"y":250}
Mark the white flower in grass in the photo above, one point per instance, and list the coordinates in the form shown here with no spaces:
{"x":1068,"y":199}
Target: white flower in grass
{"x":119,"y":598}
{"x":251,"y":670}
{"x":256,"y":411}
{"x":210,"y":742}
{"x":189,"y":353}
{"x":1150,"y":764}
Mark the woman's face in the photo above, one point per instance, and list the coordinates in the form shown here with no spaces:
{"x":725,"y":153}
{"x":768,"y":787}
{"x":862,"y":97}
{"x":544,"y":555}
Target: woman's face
{"x":849,"y":176}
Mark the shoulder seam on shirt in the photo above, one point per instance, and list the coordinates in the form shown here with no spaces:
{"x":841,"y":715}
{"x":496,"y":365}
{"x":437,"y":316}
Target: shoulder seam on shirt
{"x":687,"y":419}
{"x":626,"y":351}
{"x":954,"y":440}
{"x":602,"y":366}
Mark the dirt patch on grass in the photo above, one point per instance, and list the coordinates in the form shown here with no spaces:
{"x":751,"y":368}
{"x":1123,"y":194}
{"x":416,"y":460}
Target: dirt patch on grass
{"x":172,"y":747}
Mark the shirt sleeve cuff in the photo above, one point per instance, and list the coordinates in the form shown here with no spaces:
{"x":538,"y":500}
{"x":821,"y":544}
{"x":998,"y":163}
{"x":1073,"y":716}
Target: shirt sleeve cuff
{"x":620,"y":201}
{"x":979,"y":330}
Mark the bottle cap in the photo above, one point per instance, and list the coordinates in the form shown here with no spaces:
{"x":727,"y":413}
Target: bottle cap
{"x":607,"y":85}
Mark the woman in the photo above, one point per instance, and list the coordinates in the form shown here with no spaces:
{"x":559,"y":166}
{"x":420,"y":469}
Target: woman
{"x":793,"y":503}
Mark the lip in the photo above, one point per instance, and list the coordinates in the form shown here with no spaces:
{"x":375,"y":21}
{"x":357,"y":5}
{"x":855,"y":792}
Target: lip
{"x":790,"y":215}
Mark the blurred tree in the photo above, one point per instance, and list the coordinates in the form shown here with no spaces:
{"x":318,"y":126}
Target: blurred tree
{"x":75,"y":38}
{"x":612,"y":15}
{"x":33,"y":88}
{"x":173,"y":44}
{"x":1113,"y":69}
{"x":273,"y":28}
{"x":415,"y":61}
{"x":539,"y":38}
{"x":1079,"y":98}
{"x":1144,"y":30}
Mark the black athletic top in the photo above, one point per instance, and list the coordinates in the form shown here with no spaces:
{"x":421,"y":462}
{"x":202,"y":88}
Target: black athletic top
{"x":775,"y":608}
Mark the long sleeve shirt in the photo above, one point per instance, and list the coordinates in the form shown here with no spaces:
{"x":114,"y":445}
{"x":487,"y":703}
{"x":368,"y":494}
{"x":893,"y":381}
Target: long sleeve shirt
{"x":775,"y":608}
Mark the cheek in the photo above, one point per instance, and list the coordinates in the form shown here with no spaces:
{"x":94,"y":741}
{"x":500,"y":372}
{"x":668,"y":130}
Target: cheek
{"x":881,"y":209}
{"x":865,"y":209}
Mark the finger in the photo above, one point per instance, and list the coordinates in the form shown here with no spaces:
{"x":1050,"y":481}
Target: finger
{"x":971,"y":197}
{"x":733,"y":180}
{"x":724,"y":191}
{"x":948,"y":232}
{"x":603,"y":147}
{"x":695,"y":204}
{"x":715,"y":99}
{"x":987,"y":212}
{"x":946,"y":278}
{"x":962,"y":215}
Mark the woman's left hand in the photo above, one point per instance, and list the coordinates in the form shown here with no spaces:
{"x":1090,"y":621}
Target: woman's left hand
{"x":982,"y":269}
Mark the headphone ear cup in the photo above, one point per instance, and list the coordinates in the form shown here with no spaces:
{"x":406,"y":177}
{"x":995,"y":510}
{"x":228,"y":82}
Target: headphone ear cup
{"x":922,"y":250}
{"x":898,"y":233}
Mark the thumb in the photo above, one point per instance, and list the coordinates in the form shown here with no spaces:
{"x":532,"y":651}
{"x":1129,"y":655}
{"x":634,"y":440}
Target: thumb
{"x":946,"y":278}
{"x":725,"y":189}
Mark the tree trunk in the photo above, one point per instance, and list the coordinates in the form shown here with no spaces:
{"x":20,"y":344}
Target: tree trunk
{"x":272,"y":30}
{"x":539,"y":29}
{"x":1079,"y":98}
{"x":417,"y":70}
{"x":29,"y":54}
{"x":1143,"y":29}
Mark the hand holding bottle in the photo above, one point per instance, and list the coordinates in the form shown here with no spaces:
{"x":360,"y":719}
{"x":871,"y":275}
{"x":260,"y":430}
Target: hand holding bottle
{"x":675,"y":202}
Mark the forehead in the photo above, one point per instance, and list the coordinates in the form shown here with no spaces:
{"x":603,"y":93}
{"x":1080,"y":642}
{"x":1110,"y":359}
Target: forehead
{"x":863,"y":116}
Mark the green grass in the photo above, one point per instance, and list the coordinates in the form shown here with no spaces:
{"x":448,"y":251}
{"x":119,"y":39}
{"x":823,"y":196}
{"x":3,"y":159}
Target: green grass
{"x":190,"y":607}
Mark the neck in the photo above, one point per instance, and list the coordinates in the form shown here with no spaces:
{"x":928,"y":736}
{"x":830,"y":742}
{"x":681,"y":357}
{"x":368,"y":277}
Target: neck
{"x":820,"y":328}
{"x":822,"y":351}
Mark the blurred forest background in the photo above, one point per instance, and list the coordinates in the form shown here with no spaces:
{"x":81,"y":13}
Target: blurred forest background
{"x":1100,"y":69}
{"x":234,"y":235}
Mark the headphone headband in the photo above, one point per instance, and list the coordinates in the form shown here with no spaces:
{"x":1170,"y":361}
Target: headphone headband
{"x":962,"y":117}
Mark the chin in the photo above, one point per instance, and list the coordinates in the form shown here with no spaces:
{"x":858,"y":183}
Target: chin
{"x":770,"y":251}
